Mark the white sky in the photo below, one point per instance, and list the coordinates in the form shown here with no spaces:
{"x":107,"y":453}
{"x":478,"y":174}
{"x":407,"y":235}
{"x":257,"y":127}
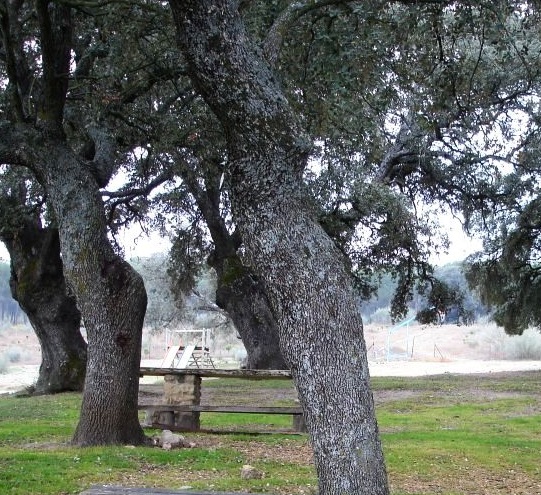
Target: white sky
{"x":137,"y":244}
{"x":461,"y":245}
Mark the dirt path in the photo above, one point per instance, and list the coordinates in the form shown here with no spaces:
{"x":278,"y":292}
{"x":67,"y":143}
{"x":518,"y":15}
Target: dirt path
{"x":22,"y":376}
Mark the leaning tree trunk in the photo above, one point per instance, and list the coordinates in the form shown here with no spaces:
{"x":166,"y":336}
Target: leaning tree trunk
{"x":239,"y":291}
{"x":305,"y":276}
{"x":111,"y":297}
{"x":242,"y":295}
{"x":37,"y":283}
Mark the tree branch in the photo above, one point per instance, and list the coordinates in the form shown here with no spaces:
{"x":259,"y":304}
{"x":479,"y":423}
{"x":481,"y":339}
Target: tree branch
{"x":125,"y":197}
{"x":97,"y":4}
{"x":86,"y":60}
{"x":55,"y":35}
{"x":297,"y":9}
{"x":131,"y":93}
{"x":7,"y":45}
{"x":129,"y":194}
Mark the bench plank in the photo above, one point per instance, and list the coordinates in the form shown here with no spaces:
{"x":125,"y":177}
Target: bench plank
{"x":226,"y":431}
{"x":122,"y":490}
{"x":224,"y":409}
{"x":218,"y":373}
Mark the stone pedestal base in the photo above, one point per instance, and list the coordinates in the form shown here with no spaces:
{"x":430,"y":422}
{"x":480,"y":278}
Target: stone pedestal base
{"x":183,"y":390}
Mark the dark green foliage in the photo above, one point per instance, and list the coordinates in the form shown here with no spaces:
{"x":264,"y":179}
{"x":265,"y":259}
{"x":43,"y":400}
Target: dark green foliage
{"x":460,"y":302}
{"x":440,"y":297}
{"x":406,"y":104}
{"x":402,"y":116}
{"x":391,"y":111}
{"x":186,"y":258}
{"x":507,"y":274}
{"x":511,"y":282}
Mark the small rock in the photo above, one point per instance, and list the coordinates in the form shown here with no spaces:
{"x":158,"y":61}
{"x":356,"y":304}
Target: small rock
{"x":251,"y":473}
{"x":169,"y":440}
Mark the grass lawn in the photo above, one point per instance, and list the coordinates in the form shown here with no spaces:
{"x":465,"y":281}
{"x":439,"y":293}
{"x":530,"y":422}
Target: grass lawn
{"x":450,"y":435}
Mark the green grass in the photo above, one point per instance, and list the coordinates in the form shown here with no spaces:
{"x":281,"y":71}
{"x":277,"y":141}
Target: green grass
{"x":474,"y":431}
{"x":233,"y":383}
{"x":450,"y":435}
{"x":498,"y":382}
{"x":245,"y":421}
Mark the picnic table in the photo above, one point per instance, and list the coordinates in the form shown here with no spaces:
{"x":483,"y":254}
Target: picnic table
{"x":181,"y":407}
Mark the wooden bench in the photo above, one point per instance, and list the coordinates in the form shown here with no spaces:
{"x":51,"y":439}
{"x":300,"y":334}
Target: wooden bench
{"x":167,"y":413}
{"x":179,"y":414}
{"x":123,"y":490}
{"x":218,"y":373}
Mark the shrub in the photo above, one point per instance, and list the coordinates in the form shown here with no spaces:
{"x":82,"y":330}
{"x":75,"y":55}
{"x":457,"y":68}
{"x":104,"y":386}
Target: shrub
{"x":381,"y":316}
{"x":525,"y":346}
{"x":14,"y":354}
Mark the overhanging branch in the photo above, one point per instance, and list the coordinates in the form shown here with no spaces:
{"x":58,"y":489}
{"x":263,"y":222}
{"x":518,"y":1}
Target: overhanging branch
{"x":129,"y":194}
{"x":127,"y":197}
{"x":295,"y":10}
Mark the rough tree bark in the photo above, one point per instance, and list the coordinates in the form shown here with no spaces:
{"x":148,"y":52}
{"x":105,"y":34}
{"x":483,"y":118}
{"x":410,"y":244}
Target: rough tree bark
{"x":37,"y":282}
{"x":111,"y":297}
{"x":242,"y":295}
{"x":110,"y":294}
{"x":310,"y":290}
{"x":239,"y":291}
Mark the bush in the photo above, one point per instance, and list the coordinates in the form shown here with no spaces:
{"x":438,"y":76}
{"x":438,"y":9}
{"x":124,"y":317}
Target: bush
{"x":4,"y":364}
{"x":14,"y":354}
{"x":525,"y":346}
{"x":381,"y":316}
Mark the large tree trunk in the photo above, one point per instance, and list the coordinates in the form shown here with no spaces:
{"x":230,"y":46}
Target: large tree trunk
{"x":37,"y":283}
{"x":242,"y":295}
{"x":111,"y":297}
{"x":110,"y":294}
{"x":310,"y":290}
{"x":239,"y":291}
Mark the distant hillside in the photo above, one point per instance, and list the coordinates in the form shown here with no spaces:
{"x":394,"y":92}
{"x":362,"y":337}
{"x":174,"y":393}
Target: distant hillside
{"x":376,"y":309}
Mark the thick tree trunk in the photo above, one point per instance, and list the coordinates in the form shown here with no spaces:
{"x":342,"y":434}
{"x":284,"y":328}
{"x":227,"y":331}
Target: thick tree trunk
{"x":310,"y":290}
{"x":110,"y":294}
{"x":37,"y":283}
{"x":111,"y":297}
{"x":241,"y":294}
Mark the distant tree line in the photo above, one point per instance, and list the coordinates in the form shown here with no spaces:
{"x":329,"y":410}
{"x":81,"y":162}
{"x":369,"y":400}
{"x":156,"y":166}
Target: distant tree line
{"x":449,"y":293}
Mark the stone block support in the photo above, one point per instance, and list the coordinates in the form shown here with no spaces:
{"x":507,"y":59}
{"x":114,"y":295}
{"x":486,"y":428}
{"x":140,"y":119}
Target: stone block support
{"x":183,"y":390}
